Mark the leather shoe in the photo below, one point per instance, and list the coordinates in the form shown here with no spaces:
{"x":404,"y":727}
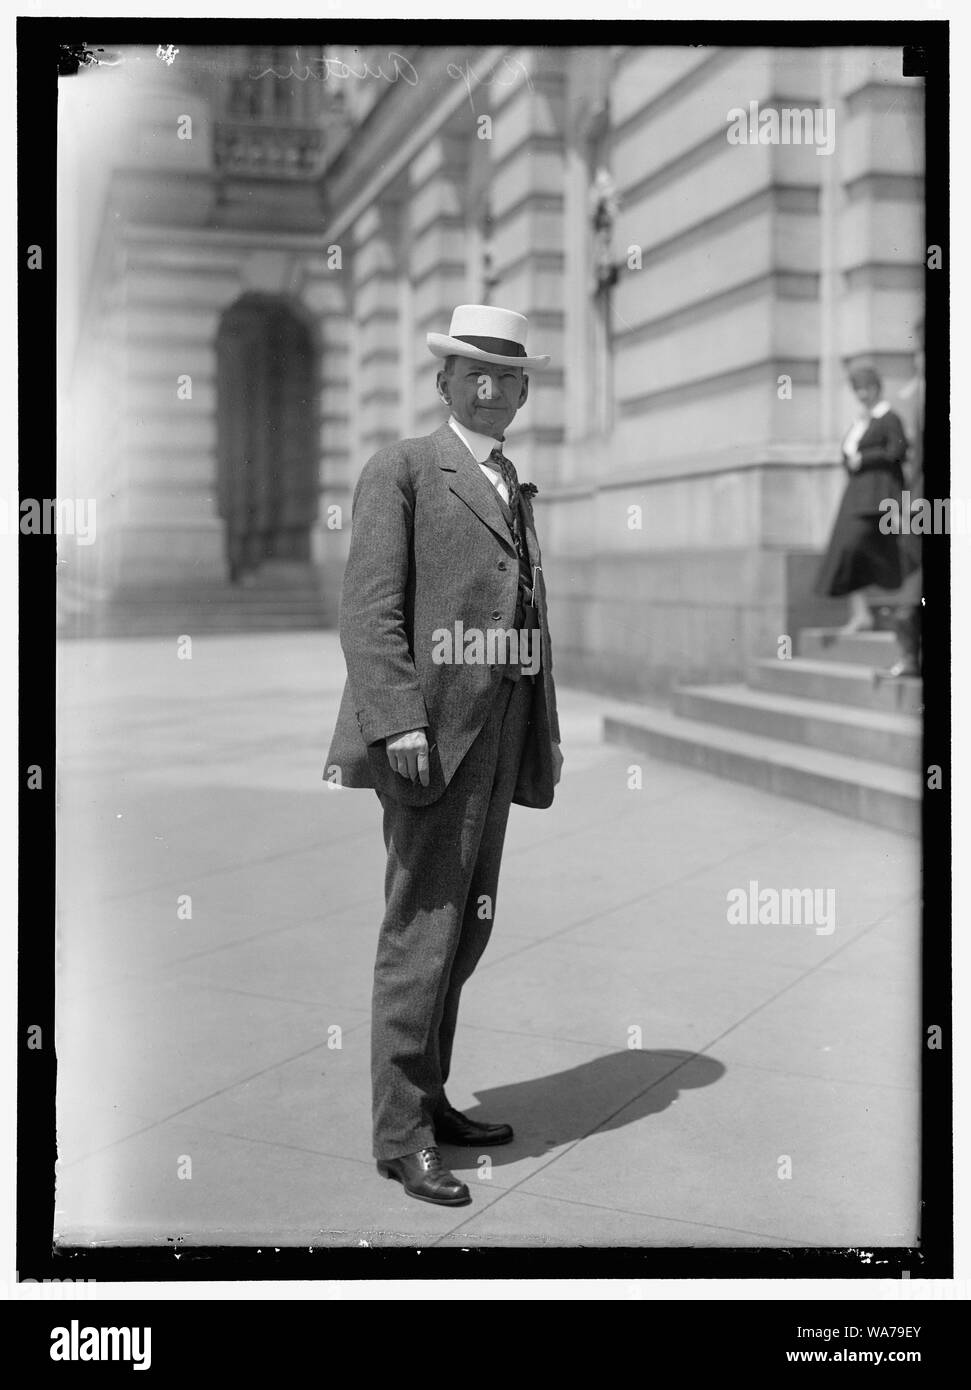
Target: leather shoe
{"x":422,"y":1176}
{"x":452,"y":1127}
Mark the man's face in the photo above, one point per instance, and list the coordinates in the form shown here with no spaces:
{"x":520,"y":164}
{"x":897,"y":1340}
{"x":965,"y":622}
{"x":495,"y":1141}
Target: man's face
{"x":483,"y":396}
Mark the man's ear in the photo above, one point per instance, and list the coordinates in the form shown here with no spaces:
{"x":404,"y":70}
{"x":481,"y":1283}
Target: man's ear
{"x":524,"y":392}
{"x":441,"y":383}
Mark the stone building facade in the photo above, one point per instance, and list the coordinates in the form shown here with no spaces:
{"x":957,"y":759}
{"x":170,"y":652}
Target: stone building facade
{"x":700,"y":296}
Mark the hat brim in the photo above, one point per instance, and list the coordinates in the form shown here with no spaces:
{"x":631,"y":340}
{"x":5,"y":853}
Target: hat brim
{"x":444,"y":346}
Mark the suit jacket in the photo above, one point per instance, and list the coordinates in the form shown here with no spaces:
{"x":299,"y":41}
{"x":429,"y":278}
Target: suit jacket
{"x":430,"y":547}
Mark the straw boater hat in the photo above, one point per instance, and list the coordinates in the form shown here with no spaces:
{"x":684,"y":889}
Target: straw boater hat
{"x":486,"y":334}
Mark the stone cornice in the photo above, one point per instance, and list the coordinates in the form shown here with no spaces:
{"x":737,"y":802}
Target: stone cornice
{"x":375,"y":154}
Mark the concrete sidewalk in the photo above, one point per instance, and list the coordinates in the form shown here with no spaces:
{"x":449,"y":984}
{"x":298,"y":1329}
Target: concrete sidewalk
{"x":673,"y":1080}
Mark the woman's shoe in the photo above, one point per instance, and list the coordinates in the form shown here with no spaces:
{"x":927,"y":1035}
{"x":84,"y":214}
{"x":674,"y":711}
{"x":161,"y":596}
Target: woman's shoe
{"x":856,"y":625}
{"x":907,"y":627}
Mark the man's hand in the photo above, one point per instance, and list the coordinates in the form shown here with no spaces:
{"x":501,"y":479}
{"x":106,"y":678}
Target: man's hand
{"x":557,"y":763}
{"x":408,"y":755}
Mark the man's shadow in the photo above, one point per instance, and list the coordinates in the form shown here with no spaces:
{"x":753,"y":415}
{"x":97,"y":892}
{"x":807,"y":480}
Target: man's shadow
{"x":604,"y":1093}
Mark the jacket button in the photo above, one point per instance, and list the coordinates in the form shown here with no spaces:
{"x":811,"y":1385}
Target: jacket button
{"x":496,"y":615}
{"x":502,"y":564}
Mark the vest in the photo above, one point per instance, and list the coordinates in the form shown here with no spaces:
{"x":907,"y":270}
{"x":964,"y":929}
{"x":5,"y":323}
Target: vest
{"x":525,"y":573}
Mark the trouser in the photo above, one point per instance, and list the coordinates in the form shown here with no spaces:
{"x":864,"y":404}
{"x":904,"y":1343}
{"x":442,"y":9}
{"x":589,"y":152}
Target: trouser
{"x":440,"y":894}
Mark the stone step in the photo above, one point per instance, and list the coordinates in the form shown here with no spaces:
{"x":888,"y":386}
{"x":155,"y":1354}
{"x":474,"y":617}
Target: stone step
{"x":193,"y":604}
{"x":193,"y":628}
{"x":880,"y":649}
{"x":881,"y":736}
{"x":855,"y":787}
{"x":840,"y":683}
{"x":224,"y":595}
{"x":191,"y":618}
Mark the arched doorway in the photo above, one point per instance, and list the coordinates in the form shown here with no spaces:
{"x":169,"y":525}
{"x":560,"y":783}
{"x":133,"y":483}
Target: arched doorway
{"x":267,"y":428}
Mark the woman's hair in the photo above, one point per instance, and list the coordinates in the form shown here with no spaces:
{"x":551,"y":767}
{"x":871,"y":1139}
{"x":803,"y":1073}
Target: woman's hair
{"x":865,"y":375}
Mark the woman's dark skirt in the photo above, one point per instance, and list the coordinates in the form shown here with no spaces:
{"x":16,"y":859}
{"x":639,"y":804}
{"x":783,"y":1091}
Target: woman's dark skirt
{"x":859,"y":553}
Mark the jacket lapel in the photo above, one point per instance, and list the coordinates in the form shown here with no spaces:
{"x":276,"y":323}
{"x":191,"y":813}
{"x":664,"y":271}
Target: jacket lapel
{"x":469,"y":483}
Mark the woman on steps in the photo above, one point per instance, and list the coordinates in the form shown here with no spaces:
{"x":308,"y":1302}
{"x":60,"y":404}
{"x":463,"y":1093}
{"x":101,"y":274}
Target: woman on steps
{"x":859,"y":553}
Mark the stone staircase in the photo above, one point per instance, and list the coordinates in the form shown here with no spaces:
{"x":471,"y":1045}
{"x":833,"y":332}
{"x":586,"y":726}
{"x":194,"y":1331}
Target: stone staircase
{"x":275,"y":602}
{"x":827,"y":727}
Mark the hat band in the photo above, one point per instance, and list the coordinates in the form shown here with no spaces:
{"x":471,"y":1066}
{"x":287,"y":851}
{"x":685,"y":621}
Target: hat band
{"x":499,"y":347}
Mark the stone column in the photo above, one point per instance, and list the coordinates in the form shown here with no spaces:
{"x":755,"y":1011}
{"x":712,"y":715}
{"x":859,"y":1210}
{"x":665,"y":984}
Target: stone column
{"x":880,"y":154}
{"x":437,"y":257}
{"x":145,"y":316}
{"x":376,"y":366}
{"x":528,"y":166}
{"x":174,"y":298}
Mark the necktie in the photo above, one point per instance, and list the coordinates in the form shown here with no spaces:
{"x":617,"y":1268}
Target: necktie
{"x":509,"y":477}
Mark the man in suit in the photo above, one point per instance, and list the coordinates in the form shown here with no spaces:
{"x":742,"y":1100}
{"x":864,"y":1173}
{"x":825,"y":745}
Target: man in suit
{"x":449,"y":714}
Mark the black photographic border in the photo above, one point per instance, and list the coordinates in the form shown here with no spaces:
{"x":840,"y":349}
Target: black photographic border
{"x":926,"y":52}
